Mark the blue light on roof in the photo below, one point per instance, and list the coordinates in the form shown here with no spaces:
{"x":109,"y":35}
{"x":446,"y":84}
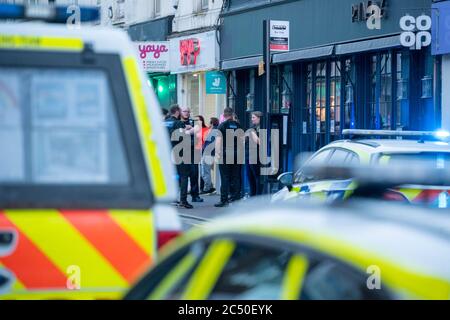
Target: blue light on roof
{"x":87,"y":14}
{"x":56,"y":14}
{"x":11,"y":11}
{"x":442,"y":134}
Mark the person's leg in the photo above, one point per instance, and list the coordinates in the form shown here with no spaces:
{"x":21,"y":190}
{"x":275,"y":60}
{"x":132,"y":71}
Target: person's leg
{"x":224,"y":184}
{"x":206,"y":174}
{"x":235,"y":181}
{"x":194,"y":181}
{"x":202,"y":183}
{"x":251,"y":180}
{"x":256,"y":173}
{"x":184,"y":170}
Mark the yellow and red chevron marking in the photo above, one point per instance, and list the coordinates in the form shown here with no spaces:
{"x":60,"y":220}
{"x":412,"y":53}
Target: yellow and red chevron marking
{"x":109,"y":247}
{"x":427,"y":196}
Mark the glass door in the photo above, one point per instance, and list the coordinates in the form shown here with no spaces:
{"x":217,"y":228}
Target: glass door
{"x":321,"y":105}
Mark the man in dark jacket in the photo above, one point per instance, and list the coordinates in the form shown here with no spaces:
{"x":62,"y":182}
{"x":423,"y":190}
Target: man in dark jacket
{"x":229,"y":152}
{"x":173,"y":123}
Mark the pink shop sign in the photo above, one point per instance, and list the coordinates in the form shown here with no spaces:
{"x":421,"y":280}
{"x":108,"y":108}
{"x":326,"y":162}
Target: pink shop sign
{"x":154,"y":56}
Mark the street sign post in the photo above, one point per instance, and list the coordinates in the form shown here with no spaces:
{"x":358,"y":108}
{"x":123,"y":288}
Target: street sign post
{"x":279,"y":36}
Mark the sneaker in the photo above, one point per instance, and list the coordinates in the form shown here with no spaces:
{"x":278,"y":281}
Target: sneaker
{"x":221,"y":204}
{"x":175,"y":203}
{"x":185,"y":205}
{"x":212,"y":190}
{"x":197,"y":199}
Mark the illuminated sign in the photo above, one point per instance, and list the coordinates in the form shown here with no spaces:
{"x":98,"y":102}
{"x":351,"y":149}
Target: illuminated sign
{"x":189,"y":51}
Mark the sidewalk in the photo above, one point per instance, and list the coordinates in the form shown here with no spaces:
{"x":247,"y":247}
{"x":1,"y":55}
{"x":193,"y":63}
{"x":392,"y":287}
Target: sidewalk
{"x":204,"y":209}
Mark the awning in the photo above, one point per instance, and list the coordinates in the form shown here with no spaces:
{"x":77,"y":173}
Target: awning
{"x":303,"y":54}
{"x":248,"y":62}
{"x":368,"y":45}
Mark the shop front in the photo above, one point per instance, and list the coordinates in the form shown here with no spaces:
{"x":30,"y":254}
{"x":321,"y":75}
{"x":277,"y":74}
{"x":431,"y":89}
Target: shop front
{"x":348,"y":67}
{"x":193,"y":57}
{"x":155,"y":61}
{"x":153,"y":49}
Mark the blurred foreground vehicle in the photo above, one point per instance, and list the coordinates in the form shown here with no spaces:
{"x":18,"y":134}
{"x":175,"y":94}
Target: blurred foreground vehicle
{"x":372,"y":152}
{"x":359,"y":249}
{"x":85,"y":170}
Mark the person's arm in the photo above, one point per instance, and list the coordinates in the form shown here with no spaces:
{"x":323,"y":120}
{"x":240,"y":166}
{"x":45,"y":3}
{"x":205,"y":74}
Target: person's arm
{"x":218,"y":147}
{"x":254,"y":137}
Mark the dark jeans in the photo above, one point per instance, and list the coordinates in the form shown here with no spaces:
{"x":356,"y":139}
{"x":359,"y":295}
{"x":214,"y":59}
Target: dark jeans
{"x":193,"y":177}
{"x":230,"y":181}
{"x":184,"y":171}
{"x":254,"y":179}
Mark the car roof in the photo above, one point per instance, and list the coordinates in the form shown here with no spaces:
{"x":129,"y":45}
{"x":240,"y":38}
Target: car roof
{"x":102,"y":39}
{"x":392,"y":145}
{"x":417,"y":239}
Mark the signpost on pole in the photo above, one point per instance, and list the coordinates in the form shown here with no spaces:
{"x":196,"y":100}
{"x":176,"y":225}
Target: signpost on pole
{"x":275,"y":39}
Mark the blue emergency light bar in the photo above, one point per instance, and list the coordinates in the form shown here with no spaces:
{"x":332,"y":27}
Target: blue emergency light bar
{"x":48,"y":13}
{"x":440,"y":134}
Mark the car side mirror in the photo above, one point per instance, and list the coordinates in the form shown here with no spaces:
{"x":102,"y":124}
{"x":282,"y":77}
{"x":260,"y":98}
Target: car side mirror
{"x":287,"y":179}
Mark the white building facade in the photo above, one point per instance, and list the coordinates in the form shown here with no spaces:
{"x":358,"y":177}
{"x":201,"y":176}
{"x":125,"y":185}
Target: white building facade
{"x":193,"y":28}
{"x":196,"y":21}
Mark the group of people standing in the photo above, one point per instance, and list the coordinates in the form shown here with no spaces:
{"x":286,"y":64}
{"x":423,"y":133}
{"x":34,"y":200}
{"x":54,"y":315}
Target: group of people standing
{"x":209,"y":145}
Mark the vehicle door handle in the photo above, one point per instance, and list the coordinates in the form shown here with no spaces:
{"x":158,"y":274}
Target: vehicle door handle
{"x":8,"y":241}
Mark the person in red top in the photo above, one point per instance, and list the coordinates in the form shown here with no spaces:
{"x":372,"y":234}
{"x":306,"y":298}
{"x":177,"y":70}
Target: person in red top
{"x":201,"y":131}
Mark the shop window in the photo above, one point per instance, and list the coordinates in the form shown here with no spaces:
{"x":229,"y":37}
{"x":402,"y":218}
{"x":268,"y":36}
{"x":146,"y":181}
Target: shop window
{"x":373,"y":91}
{"x":204,"y":4}
{"x":349,"y":80}
{"x":157,"y":8}
{"x":335,"y":99}
{"x":381,"y":91}
{"x":250,"y":96}
{"x":286,"y":94}
{"x":402,"y":105}
{"x":275,"y":89}
{"x":307,"y":110}
{"x":320,"y":107}
{"x":194,"y":99}
{"x":386,"y":91}
{"x":232,"y":89}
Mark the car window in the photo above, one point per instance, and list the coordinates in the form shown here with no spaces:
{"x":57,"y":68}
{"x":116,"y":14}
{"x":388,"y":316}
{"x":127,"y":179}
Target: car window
{"x":331,"y":280}
{"x":59,"y":126}
{"x":319,"y":159}
{"x":352,"y":159}
{"x":438,"y":160}
{"x":169,"y":279}
{"x":338,"y":157}
{"x":252,"y":272}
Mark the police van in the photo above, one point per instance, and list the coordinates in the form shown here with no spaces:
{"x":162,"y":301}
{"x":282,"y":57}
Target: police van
{"x":85,"y":171}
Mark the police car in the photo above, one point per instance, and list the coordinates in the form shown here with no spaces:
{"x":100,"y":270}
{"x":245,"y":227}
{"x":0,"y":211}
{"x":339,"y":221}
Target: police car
{"x":354,"y":250}
{"x":364,"y":150}
{"x":85,"y":171}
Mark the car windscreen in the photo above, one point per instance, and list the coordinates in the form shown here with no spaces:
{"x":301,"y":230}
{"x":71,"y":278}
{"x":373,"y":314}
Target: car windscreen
{"x":57,"y":126}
